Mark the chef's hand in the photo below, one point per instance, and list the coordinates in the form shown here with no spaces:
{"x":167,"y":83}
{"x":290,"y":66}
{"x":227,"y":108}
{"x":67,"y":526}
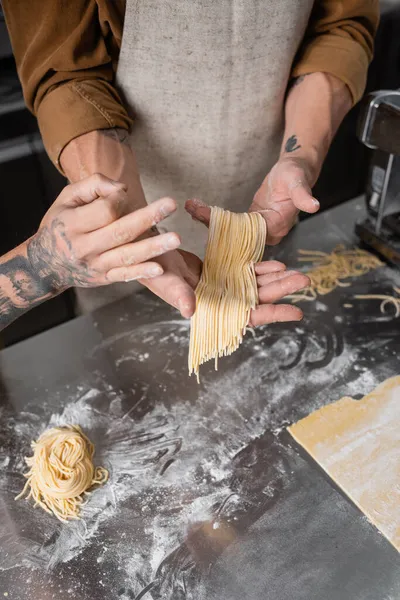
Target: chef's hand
{"x":274,"y":282}
{"x":89,"y":237}
{"x":284,"y":192}
{"x":108,"y":151}
{"x":181,"y":274}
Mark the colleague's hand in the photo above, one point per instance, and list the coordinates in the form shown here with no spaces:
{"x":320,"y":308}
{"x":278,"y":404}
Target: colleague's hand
{"x":284,"y":192}
{"x":274,"y":282}
{"x":88,"y":238}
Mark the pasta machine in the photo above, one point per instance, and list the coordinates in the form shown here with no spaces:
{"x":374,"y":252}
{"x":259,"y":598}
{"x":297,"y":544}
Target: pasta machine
{"x":379,"y":129}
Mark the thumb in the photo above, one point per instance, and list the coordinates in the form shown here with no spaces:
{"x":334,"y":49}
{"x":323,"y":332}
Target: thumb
{"x":199,"y":211}
{"x":186,"y":302}
{"x":300,"y":194}
{"x":89,"y":189}
{"x":174,"y":290}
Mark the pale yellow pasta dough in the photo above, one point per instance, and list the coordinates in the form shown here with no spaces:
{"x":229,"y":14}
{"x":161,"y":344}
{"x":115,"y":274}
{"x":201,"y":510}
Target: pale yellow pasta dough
{"x":227,"y":290}
{"x":62,"y":471}
{"x":357,"y":442}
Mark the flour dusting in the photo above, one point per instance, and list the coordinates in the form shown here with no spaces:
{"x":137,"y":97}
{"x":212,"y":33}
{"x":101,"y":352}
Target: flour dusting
{"x":189,"y":464}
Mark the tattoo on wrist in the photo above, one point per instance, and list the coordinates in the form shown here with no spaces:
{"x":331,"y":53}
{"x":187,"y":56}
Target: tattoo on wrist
{"x":118,"y":134}
{"x":297,"y":80}
{"x":20,"y":289}
{"x":48,"y":269}
{"x":52,"y":256}
{"x":291,"y":144}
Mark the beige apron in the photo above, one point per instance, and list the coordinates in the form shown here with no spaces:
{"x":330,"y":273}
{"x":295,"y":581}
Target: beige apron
{"x":206,"y":80}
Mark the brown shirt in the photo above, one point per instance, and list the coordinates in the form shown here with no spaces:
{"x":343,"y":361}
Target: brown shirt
{"x":67,"y":53}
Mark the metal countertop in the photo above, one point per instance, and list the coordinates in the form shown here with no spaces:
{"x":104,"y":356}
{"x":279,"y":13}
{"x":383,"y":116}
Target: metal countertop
{"x":209,"y":497}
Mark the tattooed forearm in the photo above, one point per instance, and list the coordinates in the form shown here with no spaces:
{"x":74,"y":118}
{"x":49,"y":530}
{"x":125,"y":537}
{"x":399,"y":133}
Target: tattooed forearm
{"x":291,"y":144}
{"x":38,"y":270}
{"x":21,"y":287}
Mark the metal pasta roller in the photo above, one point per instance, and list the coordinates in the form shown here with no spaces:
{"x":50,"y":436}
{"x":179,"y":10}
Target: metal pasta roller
{"x":379,"y":129}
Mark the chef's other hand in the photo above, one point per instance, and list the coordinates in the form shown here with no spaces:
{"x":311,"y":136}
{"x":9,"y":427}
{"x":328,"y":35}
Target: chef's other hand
{"x":273,"y":281}
{"x":88,"y":238}
{"x":284,"y":192}
{"x":181,"y":274}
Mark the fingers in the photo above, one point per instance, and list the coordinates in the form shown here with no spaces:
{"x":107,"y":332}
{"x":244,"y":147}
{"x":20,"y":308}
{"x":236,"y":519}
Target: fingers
{"x":274,"y":313}
{"x":175,"y":291}
{"x":100,"y":213}
{"x":199,"y":211}
{"x":186,"y":302}
{"x":279,"y":222}
{"x":267,"y":278}
{"x":193,"y":268}
{"x":284,"y":192}
{"x":282,"y":286}
{"x":173,"y":286}
{"x":137,"y":252}
{"x":301,"y":196}
{"x":269,"y":266}
{"x":128,"y":228}
{"x":88,"y":189}
{"x":143,"y":271}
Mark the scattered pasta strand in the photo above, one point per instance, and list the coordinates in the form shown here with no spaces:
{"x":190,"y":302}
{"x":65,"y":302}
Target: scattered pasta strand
{"x":329,"y":270}
{"x":62,"y":471}
{"x":227,"y":290}
{"x":385,"y":300}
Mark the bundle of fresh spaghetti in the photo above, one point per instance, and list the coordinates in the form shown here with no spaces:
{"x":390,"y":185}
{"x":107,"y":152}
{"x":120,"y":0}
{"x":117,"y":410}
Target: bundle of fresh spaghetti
{"x":227,"y":290}
{"x":62,"y":471}
{"x":329,"y":270}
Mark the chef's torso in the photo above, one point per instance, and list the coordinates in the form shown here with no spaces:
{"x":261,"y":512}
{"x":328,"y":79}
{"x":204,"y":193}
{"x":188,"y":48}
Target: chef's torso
{"x":205,"y":81}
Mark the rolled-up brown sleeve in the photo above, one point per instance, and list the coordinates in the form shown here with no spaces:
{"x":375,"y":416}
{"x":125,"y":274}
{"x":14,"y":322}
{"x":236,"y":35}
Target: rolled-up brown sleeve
{"x":66,"y":54}
{"x":340,"y":41}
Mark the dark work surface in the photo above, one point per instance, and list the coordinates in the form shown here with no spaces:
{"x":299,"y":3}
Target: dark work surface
{"x":209,"y":497}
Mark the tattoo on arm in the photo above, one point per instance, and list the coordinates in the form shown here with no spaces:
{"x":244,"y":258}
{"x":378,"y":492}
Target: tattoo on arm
{"x":291,"y":144}
{"x":296,"y":81}
{"x":45,"y":268}
{"x":118,"y":134}
{"x":20,"y":289}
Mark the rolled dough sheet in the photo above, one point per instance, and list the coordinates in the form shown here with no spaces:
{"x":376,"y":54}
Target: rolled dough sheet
{"x":357,"y":442}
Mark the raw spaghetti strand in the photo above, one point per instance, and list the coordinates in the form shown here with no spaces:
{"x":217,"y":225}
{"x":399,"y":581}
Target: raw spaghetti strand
{"x":385,"y":300}
{"x":62,"y":471}
{"x":328,"y":270}
{"x":227,"y":290}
